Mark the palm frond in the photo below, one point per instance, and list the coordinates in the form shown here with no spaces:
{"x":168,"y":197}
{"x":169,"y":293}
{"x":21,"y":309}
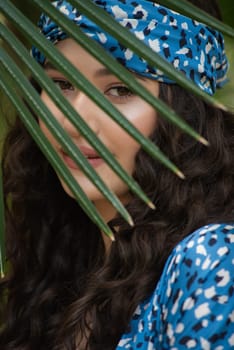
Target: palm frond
{"x":11,"y":72}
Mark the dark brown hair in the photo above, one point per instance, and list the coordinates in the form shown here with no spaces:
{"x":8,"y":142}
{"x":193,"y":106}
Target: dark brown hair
{"x":59,"y":273}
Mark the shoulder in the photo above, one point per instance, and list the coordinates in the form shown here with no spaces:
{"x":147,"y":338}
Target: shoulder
{"x":196,"y":290}
{"x":204,"y":249}
{"x":209,"y":236}
{"x":204,"y":258}
{"x":192,"y":304}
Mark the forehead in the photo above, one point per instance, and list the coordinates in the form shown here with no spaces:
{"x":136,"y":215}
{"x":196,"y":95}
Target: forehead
{"x":79,"y":57}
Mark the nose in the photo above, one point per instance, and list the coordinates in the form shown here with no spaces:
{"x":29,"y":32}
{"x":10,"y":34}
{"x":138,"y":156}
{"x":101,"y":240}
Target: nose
{"x":88,"y":111}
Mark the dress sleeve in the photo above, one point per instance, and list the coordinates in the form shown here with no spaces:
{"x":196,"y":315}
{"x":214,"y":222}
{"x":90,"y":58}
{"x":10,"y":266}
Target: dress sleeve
{"x":196,"y":292}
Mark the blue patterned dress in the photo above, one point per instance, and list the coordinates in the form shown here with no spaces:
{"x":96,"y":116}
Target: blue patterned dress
{"x":192,"y":306}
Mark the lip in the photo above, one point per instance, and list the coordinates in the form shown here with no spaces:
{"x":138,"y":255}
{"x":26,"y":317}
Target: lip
{"x":90,"y":154}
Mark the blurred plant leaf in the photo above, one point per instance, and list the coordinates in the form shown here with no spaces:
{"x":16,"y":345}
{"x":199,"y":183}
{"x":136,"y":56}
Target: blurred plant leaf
{"x":2,"y":230}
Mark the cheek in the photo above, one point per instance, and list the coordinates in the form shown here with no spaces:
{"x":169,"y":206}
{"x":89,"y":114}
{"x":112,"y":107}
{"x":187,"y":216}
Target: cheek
{"x":49,"y":103}
{"x":45,"y":131}
{"x":55,"y":112}
{"x":144,"y":119}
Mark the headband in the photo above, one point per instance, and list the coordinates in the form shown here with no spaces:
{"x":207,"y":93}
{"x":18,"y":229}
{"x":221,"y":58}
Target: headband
{"x":191,"y":47}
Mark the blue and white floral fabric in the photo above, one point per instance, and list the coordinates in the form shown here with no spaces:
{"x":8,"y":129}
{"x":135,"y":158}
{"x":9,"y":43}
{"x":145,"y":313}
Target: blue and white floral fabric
{"x":190,"y":46}
{"x":192,"y":306}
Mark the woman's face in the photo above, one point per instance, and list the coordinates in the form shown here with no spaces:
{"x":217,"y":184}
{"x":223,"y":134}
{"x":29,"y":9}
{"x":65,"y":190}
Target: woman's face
{"x":119,"y":143}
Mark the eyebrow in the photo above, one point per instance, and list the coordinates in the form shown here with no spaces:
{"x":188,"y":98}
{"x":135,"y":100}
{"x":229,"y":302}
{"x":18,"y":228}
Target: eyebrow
{"x":105,"y":71}
{"x":99,"y":72}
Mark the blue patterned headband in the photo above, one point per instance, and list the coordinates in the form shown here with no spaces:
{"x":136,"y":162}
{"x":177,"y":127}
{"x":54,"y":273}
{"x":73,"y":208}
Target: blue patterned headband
{"x":191,"y":47}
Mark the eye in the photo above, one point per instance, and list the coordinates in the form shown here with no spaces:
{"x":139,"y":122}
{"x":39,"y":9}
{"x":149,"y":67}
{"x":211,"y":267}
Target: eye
{"x":63,"y":85}
{"x":120,"y":92}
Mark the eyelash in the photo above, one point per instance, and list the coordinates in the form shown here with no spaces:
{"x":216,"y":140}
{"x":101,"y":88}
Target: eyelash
{"x":127,"y":92}
{"x":67,"y":87}
{"x":64,"y":85}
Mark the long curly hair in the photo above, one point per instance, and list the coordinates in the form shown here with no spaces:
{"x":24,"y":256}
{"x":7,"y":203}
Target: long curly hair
{"x":62,"y":288}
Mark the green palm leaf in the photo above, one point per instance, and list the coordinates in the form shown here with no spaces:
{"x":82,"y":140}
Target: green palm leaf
{"x":99,"y":16}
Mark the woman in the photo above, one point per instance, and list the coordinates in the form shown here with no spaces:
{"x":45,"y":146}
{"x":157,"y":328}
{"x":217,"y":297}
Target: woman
{"x":165,"y":283}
